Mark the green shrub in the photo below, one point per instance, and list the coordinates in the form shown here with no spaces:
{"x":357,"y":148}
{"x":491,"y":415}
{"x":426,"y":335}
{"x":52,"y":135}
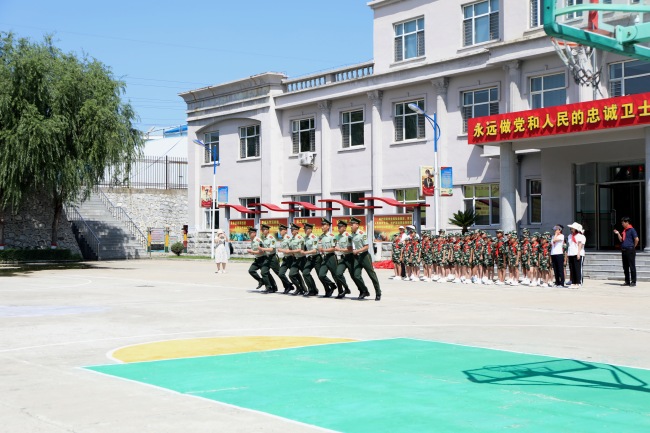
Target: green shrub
{"x":177,"y":248}
{"x":19,"y":255}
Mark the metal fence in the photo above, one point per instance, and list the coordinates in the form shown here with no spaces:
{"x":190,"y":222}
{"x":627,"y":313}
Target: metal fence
{"x":159,"y":172}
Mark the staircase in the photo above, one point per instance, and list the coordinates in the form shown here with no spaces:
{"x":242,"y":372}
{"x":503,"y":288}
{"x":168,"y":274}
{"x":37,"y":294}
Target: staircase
{"x":114,"y":235}
{"x":600,"y":265}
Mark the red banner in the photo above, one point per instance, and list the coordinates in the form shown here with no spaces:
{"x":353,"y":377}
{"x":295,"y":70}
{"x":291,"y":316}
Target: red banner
{"x":315,"y":221}
{"x":388,"y":225}
{"x":274,"y":223}
{"x":346,"y":218}
{"x":562,"y":119}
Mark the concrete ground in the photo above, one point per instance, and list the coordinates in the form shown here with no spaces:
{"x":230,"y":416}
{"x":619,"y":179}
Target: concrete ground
{"x":56,"y":321}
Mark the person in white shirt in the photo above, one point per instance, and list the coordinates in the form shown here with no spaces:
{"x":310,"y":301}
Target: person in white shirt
{"x":576,"y":253}
{"x":557,"y":255}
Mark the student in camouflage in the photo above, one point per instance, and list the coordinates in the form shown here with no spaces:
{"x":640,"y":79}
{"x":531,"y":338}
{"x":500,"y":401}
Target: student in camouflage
{"x":533,"y":260}
{"x":362,"y":260}
{"x":501,"y":255}
{"x":344,"y":249}
{"x":545,"y":260}
{"x":426,"y":256}
{"x":397,"y":246}
{"x":296,"y":249}
{"x":326,"y":248}
{"x":513,"y":259}
{"x":524,"y":247}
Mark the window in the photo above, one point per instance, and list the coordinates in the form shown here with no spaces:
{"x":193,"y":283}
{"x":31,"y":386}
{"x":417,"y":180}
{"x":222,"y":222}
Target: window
{"x":354,"y":197}
{"x":409,"y":39}
{"x":483,"y":199}
{"x":573,"y":15}
{"x":311,"y":199}
{"x":249,"y":141}
{"x":629,"y":78}
{"x":249,"y":202}
{"x":409,"y":125}
{"x":211,"y":141}
{"x":534,"y":201}
{"x":548,"y":90}
{"x":303,"y":135}
{"x":481,"y":22}
{"x":412,"y":195}
{"x":352,"y":124}
{"x":536,"y":14}
{"x":206,"y":218}
{"x":478,"y":103}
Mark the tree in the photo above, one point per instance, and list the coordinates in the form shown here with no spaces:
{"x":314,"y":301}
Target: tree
{"x":62,"y":123}
{"x":463,"y":219}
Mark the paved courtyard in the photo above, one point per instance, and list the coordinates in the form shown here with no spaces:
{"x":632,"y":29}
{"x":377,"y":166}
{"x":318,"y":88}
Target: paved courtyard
{"x":170,"y":346}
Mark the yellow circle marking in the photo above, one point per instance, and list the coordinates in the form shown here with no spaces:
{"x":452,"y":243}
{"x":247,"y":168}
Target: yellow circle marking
{"x":174,"y":349}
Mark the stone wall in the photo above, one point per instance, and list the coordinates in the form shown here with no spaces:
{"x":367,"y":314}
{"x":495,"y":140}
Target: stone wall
{"x":31,"y":227}
{"x":155,"y":208}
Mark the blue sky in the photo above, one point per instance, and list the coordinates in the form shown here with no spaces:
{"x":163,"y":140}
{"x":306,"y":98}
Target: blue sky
{"x":165,"y":47}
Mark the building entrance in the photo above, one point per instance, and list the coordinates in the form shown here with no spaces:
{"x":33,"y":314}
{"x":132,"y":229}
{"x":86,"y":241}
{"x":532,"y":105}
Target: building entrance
{"x":604,"y":194}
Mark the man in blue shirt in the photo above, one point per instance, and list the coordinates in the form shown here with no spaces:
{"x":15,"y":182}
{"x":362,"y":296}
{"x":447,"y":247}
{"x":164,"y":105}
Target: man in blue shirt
{"x":629,"y":240}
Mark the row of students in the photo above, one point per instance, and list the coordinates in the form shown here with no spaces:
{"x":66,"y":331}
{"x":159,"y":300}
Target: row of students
{"x":475,"y":257}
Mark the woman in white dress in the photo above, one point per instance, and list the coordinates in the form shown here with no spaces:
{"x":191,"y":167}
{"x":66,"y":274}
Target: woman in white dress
{"x":221,"y":251}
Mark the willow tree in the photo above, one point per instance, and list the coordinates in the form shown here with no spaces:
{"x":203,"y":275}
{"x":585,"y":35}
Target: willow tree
{"x":62,"y":123}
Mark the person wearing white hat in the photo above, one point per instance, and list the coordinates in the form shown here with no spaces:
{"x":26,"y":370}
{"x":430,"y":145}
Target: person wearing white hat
{"x":221,"y":252}
{"x":576,"y":254}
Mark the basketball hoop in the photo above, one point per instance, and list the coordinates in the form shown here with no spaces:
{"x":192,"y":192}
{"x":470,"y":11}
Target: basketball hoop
{"x":580,"y":61}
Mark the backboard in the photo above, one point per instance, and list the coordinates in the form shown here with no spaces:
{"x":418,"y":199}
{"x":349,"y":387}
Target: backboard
{"x":617,"y":26}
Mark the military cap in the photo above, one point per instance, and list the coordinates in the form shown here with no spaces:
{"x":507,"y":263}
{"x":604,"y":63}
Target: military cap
{"x":265,"y":226}
{"x":354,"y":220}
{"x":325,"y":221}
{"x":525,"y":230}
{"x":425,"y":233}
{"x":307,"y":226}
{"x":547,"y":234}
{"x":252,"y":229}
{"x":283,"y":227}
{"x":441,"y":231}
{"x":536,"y":235}
{"x":500,"y":231}
{"x":295,"y":226}
{"x":342,"y":223}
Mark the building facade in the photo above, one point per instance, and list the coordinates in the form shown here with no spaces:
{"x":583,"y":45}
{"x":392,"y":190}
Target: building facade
{"x":349,"y":133}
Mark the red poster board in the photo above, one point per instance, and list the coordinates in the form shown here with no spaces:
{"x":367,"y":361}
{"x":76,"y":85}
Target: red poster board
{"x":387,"y":225}
{"x":239,"y":229}
{"x":346,"y":218}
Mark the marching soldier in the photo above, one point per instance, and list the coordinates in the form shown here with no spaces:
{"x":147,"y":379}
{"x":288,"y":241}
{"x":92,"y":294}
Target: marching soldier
{"x":268,"y":247}
{"x":259,"y":262}
{"x":296,"y":249}
{"x":328,"y":259}
{"x":287,"y":258}
{"x":344,"y":248}
{"x":311,"y":259}
{"x":362,"y":260}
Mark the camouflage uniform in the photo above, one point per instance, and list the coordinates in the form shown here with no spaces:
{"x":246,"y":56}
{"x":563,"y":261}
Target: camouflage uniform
{"x":525,"y":253}
{"x":501,"y":253}
{"x":426,"y":254}
{"x":397,"y":248}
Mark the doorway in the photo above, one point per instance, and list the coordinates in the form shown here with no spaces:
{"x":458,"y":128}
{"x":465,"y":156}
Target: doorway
{"x":606,"y":192}
{"x":616,"y":200}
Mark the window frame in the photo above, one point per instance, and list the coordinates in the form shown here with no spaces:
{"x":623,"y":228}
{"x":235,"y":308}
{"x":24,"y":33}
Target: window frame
{"x":530,"y":197}
{"x":209,"y":141}
{"x":470,"y":22}
{"x":244,"y":142}
{"x":492,"y":198}
{"x":308,"y":198}
{"x":297,"y":135}
{"x":492,"y":109}
{"x":206,"y":218}
{"x":544,"y":91}
{"x":400,"y":42}
{"x":575,"y":15}
{"x":246,"y":202}
{"x":535,"y":14}
{"x":401,"y":121}
{"x":620,"y":82}
{"x":347,"y":129}
{"x":349,"y":197}
{"x":419,"y":199}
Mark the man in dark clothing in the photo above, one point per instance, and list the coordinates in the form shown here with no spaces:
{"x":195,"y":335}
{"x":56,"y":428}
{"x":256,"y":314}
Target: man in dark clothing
{"x":629,"y":240}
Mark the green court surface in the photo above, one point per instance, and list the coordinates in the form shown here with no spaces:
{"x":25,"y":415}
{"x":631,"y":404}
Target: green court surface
{"x":405,"y":385}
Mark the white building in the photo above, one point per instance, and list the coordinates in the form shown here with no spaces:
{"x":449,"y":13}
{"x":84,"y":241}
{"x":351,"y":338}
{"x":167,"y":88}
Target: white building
{"x":456,"y":59}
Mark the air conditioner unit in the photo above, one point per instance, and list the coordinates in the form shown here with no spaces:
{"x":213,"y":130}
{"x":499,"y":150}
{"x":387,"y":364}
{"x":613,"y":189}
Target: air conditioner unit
{"x":306,"y":159}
